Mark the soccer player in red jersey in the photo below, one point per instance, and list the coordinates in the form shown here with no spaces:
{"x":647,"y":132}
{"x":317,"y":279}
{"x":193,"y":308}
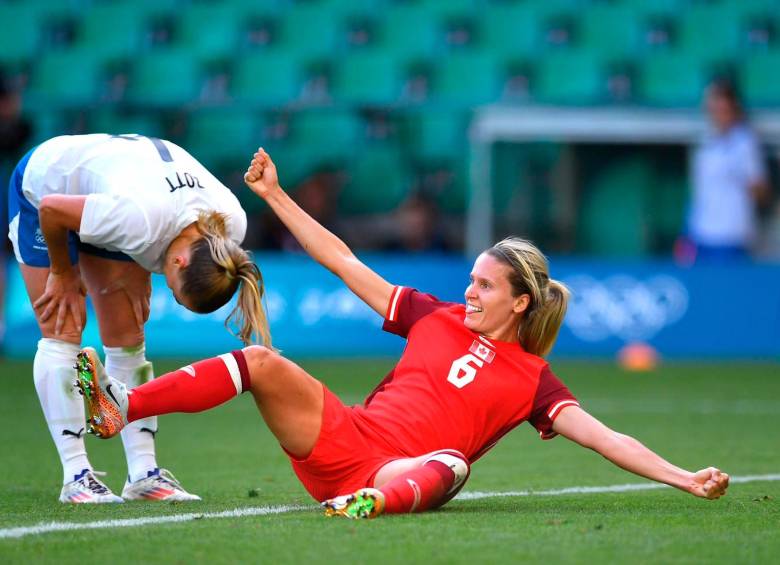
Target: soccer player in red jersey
{"x":470,"y":373}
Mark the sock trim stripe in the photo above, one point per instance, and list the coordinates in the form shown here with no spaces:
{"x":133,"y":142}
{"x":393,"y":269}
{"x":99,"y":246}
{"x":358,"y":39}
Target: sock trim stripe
{"x":243,"y":368}
{"x":232,"y":366}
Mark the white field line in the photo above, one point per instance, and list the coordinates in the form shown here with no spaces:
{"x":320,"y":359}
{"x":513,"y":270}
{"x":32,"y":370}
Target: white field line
{"x":476,"y":495}
{"x":48,"y":527}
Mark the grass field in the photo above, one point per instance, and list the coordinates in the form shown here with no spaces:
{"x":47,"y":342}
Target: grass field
{"x":694,"y":414}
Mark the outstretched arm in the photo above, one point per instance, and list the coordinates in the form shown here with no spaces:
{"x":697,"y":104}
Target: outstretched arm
{"x":629,"y":454}
{"x":322,"y":245}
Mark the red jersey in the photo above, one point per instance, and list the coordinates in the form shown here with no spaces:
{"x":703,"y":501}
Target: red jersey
{"x":453,"y":388}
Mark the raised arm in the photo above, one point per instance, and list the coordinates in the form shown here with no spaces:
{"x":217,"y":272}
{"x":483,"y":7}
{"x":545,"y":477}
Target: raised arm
{"x":58,"y":214}
{"x":322,"y":245}
{"x":627,"y":453}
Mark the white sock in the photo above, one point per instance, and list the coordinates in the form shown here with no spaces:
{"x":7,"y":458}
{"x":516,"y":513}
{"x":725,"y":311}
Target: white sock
{"x":63,"y":407}
{"x":129,"y":365}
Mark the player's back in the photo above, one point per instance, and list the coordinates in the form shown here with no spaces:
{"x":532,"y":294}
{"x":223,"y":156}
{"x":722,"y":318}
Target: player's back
{"x":141,"y":191}
{"x":91,"y":163}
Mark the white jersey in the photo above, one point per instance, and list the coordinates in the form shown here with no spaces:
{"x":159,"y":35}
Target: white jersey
{"x":725,"y":168}
{"x":141,"y":192}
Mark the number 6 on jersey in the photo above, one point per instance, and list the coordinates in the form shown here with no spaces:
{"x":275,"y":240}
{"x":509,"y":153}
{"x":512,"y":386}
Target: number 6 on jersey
{"x":462,"y":372}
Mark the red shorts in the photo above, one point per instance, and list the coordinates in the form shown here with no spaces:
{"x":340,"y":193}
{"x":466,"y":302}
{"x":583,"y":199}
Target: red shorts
{"x":343,"y":459}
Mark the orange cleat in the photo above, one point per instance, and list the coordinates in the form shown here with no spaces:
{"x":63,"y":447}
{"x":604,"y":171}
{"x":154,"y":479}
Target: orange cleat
{"x":106,"y":398}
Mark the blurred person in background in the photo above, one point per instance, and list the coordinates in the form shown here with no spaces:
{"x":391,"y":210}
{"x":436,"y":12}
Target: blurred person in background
{"x":317,"y":194}
{"x":728,"y":180}
{"x":97,"y":214}
{"x":15,"y":129}
{"x":417,"y":227}
{"x":15,"y":132}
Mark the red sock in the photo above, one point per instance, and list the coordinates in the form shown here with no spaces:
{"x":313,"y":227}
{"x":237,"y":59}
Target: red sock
{"x":193,"y":388}
{"x":418,"y":490}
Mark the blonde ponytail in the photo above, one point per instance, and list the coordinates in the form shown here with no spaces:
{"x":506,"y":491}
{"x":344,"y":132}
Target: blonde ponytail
{"x":539,"y":329}
{"x":218,"y":267}
{"x":548,"y":298}
{"x":249,"y":314}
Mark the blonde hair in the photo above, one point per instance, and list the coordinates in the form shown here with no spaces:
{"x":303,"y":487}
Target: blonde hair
{"x":218,"y":266}
{"x":548,"y":298}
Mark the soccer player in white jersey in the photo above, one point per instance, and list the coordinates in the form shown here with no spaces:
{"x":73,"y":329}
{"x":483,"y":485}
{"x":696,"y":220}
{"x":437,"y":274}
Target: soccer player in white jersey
{"x":97,"y":214}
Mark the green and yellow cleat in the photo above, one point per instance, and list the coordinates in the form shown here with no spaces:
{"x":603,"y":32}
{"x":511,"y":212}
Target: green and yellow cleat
{"x":366,"y":503}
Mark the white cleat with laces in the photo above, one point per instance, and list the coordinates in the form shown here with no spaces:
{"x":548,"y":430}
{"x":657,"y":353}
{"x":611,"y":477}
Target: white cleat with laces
{"x":86,"y":488}
{"x":159,"y":484}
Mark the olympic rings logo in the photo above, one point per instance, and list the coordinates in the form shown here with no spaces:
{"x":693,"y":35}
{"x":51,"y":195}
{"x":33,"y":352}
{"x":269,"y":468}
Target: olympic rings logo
{"x":39,"y":239}
{"x":623,"y":306}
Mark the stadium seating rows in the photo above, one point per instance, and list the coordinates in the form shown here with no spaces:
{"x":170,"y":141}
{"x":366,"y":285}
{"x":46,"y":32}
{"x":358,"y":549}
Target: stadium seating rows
{"x":313,"y":79}
{"x":272,"y":53}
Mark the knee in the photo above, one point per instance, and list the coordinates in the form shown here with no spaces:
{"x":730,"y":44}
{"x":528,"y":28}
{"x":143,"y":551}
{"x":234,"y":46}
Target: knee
{"x":257,"y":356}
{"x":68,"y":333}
{"x":456,"y":461}
{"x":260,"y":361}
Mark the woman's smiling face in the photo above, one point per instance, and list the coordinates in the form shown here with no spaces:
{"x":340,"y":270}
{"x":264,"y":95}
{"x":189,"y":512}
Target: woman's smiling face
{"x":491,"y":310}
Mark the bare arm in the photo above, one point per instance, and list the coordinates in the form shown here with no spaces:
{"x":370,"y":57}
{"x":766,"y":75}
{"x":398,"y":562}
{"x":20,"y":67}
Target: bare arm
{"x":322,"y":245}
{"x":629,"y":454}
{"x":58,"y":214}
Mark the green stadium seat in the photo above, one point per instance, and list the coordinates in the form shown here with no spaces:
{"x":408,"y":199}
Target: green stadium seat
{"x":568,"y":77}
{"x":248,"y":6}
{"x":758,"y":79}
{"x":511,"y":31}
{"x":164,"y":78}
{"x":377,"y":182}
{"x":267,"y":78}
{"x":317,"y":139}
{"x":47,"y":123}
{"x":210,"y":31}
{"x":448,"y":9}
{"x":20,"y":33}
{"x":409,"y":32}
{"x":220,"y":134}
{"x":750,"y":7}
{"x":144,"y":7}
{"x":454,"y":194}
{"x":367,"y":78}
{"x":113,"y":30}
{"x":296,"y":161}
{"x":45,"y":9}
{"x":346,"y":7}
{"x":643,"y":8}
{"x":467,"y":79}
{"x":65,"y":78}
{"x":433,"y":135}
{"x":610,"y":30}
{"x":621,"y":186}
{"x":310,"y":31}
{"x":331,"y":136}
{"x":666,"y":208}
{"x":110,"y":120}
{"x":710,"y":33}
{"x":671,"y":79}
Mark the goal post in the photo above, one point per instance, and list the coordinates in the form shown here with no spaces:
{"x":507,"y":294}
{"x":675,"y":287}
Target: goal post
{"x":623,"y":126}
